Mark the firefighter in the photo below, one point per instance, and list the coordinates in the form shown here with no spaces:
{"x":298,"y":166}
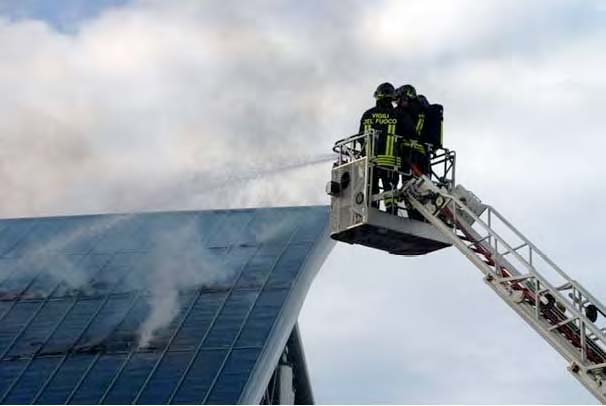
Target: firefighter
{"x":423,"y":101}
{"x":387,"y":122}
{"x":414,"y":153}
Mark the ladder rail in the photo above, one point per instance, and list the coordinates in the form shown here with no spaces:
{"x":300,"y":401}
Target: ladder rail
{"x":489,"y":273}
{"x":533,"y":247}
{"x":563,"y":325}
{"x":500,"y":259}
{"x":588,"y":297}
{"x":561,"y":298}
{"x":534,"y":250}
{"x":542,"y":281}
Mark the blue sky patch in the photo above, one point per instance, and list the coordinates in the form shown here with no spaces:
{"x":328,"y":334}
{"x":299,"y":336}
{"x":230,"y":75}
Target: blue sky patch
{"x":64,"y":15}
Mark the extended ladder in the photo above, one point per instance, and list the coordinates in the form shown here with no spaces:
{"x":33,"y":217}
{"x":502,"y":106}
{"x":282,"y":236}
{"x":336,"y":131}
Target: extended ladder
{"x":555,"y":305}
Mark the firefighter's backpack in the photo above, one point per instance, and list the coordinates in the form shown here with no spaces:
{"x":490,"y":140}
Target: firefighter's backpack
{"x":432,"y":128}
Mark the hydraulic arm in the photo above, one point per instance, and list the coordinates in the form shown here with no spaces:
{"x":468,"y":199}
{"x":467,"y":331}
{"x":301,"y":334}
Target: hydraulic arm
{"x":562,"y":311}
{"x":556,"y":306}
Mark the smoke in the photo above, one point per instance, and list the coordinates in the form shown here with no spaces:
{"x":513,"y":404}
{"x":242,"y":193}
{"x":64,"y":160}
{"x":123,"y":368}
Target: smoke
{"x":45,"y":253}
{"x":178,"y":262}
{"x":204,"y":188}
{"x":194,"y":105}
{"x":152,"y":95}
{"x":156,"y":106}
{"x":146,"y":104}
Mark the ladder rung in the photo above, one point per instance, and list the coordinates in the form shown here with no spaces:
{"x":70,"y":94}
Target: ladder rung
{"x":562,"y":323}
{"x":593,"y":337}
{"x":515,"y":278}
{"x":514,"y":249}
{"x":565,"y":286}
{"x":597,"y":366}
{"x":576,"y":300}
{"x":479,"y":241}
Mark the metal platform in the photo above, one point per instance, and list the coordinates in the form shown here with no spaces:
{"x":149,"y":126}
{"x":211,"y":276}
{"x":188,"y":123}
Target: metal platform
{"x":396,"y":235}
{"x":354,"y":214}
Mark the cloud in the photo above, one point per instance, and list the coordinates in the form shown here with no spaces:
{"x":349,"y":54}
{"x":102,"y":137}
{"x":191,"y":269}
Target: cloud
{"x":153,"y":104}
{"x":423,"y":330}
{"x":141,"y":98}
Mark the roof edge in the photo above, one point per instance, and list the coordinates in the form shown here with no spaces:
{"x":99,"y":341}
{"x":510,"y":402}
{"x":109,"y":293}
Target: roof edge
{"x":133,"y":213}
{"x":285,"y":322}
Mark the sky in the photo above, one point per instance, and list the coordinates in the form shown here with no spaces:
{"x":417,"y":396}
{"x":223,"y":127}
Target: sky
{"x":120,"y":106}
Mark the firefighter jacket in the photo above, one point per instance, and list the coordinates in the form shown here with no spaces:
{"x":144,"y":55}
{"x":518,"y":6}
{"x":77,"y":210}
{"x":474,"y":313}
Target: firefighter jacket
{"x":416,"y":114}
{"x":389,"y":123}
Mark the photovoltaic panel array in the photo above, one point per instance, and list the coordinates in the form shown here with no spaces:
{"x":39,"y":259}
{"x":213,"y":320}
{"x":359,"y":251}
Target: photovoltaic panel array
{"x":176,"y":307}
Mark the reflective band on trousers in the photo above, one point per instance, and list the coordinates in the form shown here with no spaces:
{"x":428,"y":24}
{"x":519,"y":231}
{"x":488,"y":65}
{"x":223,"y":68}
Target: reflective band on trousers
{"x":388,"y":160}
{"x":420,"y":123}
{"x":390,"y":200}
{"x":414,"y":145}
{"x":391,"y":131}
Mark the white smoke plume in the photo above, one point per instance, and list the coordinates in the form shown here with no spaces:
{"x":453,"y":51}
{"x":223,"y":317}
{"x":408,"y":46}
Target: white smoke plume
{"x":178,"y":263}
{"x":48,"y":253}
{"x":154,"y":106}
{"x":152,"y":95}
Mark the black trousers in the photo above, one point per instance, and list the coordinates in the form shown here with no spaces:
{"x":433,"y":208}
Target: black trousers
{"x":414,"y":158}
{"x":389,"y":180}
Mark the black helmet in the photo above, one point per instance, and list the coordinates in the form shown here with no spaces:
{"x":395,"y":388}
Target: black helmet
{"x":385,"y":91}
{"x":423,"y":100}
{"x":407,"y":91}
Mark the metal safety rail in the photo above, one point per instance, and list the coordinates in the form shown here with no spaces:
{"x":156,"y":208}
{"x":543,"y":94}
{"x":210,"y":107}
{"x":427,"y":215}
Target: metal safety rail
{"x":441,"y":168}
{"x":556,"y":306}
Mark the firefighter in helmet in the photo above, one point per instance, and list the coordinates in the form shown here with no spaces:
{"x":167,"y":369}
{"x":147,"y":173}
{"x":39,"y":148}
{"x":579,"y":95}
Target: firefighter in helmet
{"x":388,"y":123}
{"x":413,"y":150}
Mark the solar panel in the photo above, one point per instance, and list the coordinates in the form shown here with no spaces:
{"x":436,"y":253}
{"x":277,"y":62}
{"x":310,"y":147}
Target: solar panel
{"x":179,"y":307}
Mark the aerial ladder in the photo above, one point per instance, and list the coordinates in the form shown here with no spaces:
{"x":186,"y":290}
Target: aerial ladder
{"x":559,"y":308}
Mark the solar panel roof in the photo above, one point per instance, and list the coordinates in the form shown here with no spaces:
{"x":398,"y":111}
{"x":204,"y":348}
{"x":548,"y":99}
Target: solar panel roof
{"x":176,"y":307}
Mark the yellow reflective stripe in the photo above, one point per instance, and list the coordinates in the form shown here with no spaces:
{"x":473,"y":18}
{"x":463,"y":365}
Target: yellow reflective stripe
{"x":420,"y":123}
{"x":391,"y":130}
{"x":385,"y":160}
{"x":414,"y":145}
{"x":366,"y":128}
{"x":389,"y":158}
